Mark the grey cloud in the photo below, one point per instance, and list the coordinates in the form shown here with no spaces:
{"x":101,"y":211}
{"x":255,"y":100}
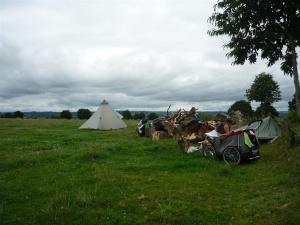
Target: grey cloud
{"x":137,"y":54}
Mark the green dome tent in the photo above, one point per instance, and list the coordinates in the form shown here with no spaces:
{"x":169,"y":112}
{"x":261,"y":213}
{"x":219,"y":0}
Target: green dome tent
{"x":268,"y":129}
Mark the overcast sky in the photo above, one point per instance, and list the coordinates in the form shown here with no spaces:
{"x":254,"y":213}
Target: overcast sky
{"x":137,"y":54}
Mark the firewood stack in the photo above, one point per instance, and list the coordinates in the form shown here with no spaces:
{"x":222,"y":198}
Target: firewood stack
{"x":185,"y":128}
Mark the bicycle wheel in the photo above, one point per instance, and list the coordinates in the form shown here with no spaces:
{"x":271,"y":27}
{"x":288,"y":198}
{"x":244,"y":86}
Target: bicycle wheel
{"x":232,"y":155}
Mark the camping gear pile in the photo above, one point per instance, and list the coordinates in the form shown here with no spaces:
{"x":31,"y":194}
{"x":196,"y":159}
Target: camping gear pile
{"x":192,"y":134}
{"x":186,"y":129}
{"x":143,"y":126}
{"x":152,"y":128}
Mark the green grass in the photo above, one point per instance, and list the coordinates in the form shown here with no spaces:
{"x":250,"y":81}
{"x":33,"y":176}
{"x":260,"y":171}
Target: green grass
{"x":53,"y":173}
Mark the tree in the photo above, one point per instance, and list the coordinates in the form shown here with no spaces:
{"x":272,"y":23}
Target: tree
{"x":292,"y":103}
{"x":18,"y":114}
{"x":139,"y":116}
{"x":243,"y":106}
{"x":127,"y":115}
{"x":152,"y":116}
{"x":83,"y":114}
{"x":266,"y":91}
{"x":266,"y":27}
{"x":292,"y":113}
{"x":66,"y":114}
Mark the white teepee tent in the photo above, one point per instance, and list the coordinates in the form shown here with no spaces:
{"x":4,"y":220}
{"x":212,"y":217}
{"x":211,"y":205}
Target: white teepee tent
{"x":120,"y":115}
{"x":105,"y":118}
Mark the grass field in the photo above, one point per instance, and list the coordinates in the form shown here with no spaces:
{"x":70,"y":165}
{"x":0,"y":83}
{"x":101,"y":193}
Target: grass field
{"x":53,"y":173}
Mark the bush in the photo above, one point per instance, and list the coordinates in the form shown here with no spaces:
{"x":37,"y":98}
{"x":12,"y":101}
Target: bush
{"x":292,"y":116}
{"x":205,"y":116}
{"x":7,"y":115}
{"x":243,"y":106}
{"x":66,"y":114}
{"x":127,"y":115}
{"x":139,"y":116}
{"x":83,"y":114}
{"x":266,"y":110}
{"x":152,"y":116}
{"x":18,"y":114}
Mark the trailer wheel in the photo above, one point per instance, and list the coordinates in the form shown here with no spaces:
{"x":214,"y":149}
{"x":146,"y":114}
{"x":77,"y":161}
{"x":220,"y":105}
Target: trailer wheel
{"x":209,"y":151}
{"x":232,"y":155}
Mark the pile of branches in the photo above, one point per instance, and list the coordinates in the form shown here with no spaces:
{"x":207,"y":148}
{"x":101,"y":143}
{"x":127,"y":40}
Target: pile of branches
{"x":186,"y":128}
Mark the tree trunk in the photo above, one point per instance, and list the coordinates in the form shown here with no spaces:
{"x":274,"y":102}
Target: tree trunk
{"x":295,"y":74}
{"x":294,"y":140}
{"x":291,"y":134}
